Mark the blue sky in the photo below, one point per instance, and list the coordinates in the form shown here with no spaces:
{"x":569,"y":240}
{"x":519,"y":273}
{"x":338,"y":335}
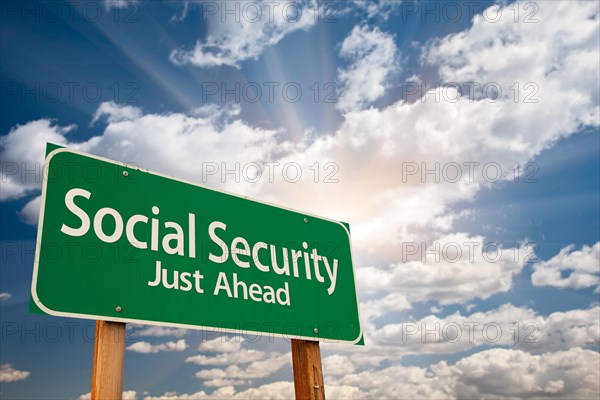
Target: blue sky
{"x":500,"y":98}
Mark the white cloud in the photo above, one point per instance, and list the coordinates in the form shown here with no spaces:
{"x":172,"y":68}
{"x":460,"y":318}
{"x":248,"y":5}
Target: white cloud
{"x":563,"y":330}
{"x":386,"y":383}
{"x":435,"y":310}
{"x":182,"y":15}
{"x":22,"y":154}
{"x":224,"y":382}
{"x":110,"y":4}
{"x":436,"y":131}
{"x":500,"y":373}
{"x":159,"y":331}
{"x":30,"y":214}
{"x":9,"y":374}
{"x":372,"y":146}
{"x":260,"y":25}
{"x":275,"y":390}
{"x":455,"y":269}
{"x":116,"y":112}
{"x":241,"y":356}
{"x":392,"y":302}
{"x":257,"y":369}
{"x":582,"y":266}
{"x":373,"y":59}
{"x":179,"y":140}
{"x":145,"y":347}
{"x":222,"y":344}
{"x":336,"y":365}
{"x":505,"y":326}
{"x":369,"y":144}
{"x":4,"y":296}
{"x":260,"y":364}
{"x":127,"y":395}
{"x":494,"y":374}
{"x":506,"y":52}
{"x":393,"y":337}
{"x":378,"y":8}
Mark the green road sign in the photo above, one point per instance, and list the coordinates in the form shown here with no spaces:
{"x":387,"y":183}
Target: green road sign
{"x":124,"y":244}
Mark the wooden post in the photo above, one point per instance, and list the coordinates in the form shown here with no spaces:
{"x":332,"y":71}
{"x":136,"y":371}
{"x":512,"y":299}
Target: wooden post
{"x":109,"y":355}
{"x":308,"y":374}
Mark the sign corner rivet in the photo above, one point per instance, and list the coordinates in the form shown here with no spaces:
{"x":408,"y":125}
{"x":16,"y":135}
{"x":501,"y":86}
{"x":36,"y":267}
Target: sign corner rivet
{"x":316,"y":330}
{"x":125,"y":173}
{"x":305,"y":220}
{"x":118,"y":308}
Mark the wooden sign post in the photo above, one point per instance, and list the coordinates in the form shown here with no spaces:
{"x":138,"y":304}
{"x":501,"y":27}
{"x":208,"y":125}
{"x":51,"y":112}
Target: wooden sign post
{"x":109,"y":356}
{"x":308,"y":373}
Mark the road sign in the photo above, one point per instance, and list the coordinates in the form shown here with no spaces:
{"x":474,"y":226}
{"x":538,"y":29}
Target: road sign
{"x":125,"y":244}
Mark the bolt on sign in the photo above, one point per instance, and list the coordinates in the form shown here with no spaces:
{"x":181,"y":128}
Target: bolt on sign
{"x":125,"y":244}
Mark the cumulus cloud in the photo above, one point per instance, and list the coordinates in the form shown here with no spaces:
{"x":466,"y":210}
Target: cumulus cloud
{"x":182,"y":14}
{"x":145,"y":347}
{"x":9,"y":374}
{"x":395,"y":336}
{"x":582,"y":268}
{"x":454,"y":269}
{"x":505,"y":52}
{"x":116,"y":113}
{"x":22,"y":154}
{"x":256,"y":369}
{"x":256,"y":26}
{"x":392,"y":302}
{"x":562,"y":330}
{"x":499,"y":373}
{"x":224,"y":382}
{"x":373,"y":59}
{"x":377,"y":8}
{"x":425,"y":134}
{"x":127,"y":395}
{"x":405,"y":140}
{"x":110,"y":4}
{"x":436,"y":133}
{"x":336,"y":365}
{"x":494,"y":373}
{"x":402,"y":205}
{"x":507,"y":325}
{"x":275,"y":390}
{"x":386,"y":383}
{"x":30,"y":214}
{"x":242,"y":356}
{"x":159,"y":331}
{"x":209,"y":134}
{"x":243,"y":364}
{"x":222,"y":344}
